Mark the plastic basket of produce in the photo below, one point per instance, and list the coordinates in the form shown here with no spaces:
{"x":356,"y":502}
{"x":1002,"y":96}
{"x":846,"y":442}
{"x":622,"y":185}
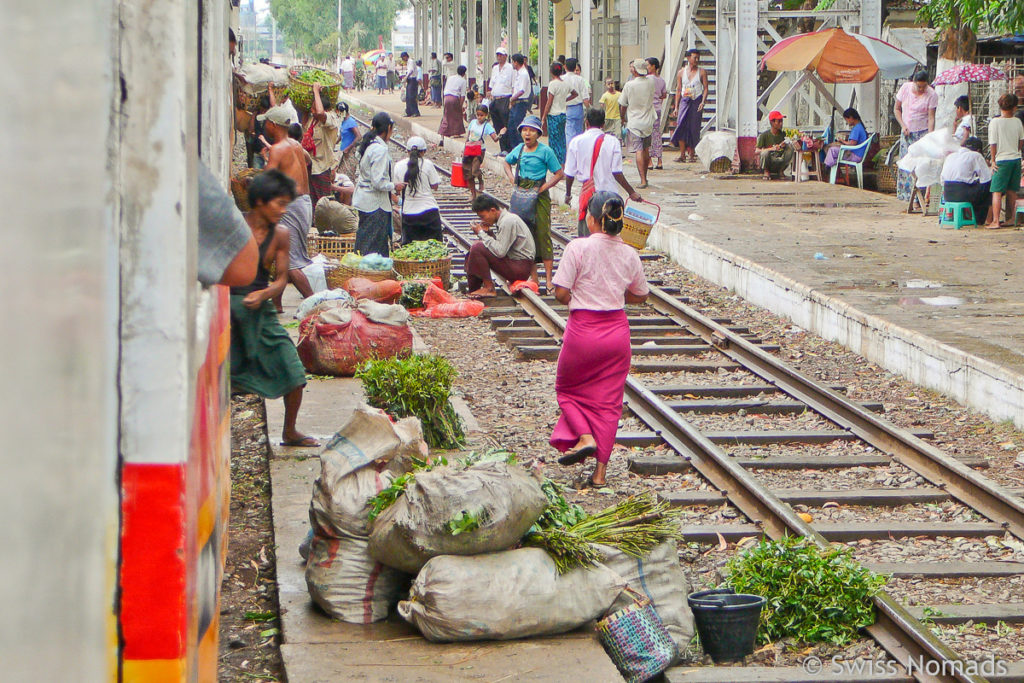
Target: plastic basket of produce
{"x":637,"y":223}
{"x":300,"y":86}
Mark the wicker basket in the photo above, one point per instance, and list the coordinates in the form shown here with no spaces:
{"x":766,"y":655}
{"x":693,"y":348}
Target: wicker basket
{"x":721,"y":165}
{"x":332,"y":247}
{"x":637,"y":225}
{"x":441,"y":268}
{"x":338,"y":275}
{"x":887,"y":141}
{"x":887,"y":179}
{"x":302,"y":92}
{"x":240,"y":187}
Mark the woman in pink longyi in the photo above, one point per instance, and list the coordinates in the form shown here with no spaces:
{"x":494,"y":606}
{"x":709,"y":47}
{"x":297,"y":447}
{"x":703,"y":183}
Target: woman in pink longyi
{"x":597,"y":277}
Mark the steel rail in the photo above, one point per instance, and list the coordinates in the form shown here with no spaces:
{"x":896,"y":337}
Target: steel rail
{"x":905,"y":638}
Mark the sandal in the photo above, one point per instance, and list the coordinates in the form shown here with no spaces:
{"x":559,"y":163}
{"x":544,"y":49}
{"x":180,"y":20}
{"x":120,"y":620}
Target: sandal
{"x":577,"y":456}
{"x":594,"y":485}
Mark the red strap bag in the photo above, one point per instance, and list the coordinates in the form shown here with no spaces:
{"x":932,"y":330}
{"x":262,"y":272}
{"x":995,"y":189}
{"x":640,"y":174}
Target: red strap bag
{"x":307,"y":139}
{"x":588,"y":187}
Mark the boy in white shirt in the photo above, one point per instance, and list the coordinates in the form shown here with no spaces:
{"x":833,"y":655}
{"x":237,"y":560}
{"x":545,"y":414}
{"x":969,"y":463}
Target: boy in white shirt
{"x":1005,"y":134}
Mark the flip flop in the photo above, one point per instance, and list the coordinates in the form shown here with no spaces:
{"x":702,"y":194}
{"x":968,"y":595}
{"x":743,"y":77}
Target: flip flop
{"x":594,"y":485}
{"x":305,"y":442}
{"x":577,"y":456}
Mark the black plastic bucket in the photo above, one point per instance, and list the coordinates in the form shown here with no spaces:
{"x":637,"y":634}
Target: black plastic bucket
{"x":726,"y":622}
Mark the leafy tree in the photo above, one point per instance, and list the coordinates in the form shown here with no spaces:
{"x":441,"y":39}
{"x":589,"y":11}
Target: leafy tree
{"x":310,"y":26}
{"x":960,"y":20}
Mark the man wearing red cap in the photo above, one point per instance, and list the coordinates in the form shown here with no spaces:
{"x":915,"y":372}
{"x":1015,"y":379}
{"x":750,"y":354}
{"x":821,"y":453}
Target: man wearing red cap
{"x":774,"y":152}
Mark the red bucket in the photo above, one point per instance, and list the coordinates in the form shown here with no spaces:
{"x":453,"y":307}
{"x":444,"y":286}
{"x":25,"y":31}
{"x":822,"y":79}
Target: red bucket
{"x":458,"y":180}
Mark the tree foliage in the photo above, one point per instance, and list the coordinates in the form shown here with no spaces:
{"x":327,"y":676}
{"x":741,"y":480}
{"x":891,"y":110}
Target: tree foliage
{"x":310,"y":26}
{"x":998,"y":16}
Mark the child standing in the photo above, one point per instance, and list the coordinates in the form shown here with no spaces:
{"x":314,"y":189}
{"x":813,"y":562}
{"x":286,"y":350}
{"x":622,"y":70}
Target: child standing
{"x":964,"y":120}
{"x":473,"y":155}
{"x":612,"y":117}
{"x":1004,"y":136}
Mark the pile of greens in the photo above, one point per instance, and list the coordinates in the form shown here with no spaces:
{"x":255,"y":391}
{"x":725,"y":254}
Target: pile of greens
{"x":428,"y":250}
{"x":303,"y":97}
{"x":463,"y":522}
{"x":314,"y":76}
{"x":812,"y":594}
{"x":635,"y":526}
{"x":412,"y":293}
{"x":418,"y":386}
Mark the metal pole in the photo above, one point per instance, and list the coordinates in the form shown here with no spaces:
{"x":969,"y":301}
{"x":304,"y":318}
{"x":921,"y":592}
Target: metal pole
{"x":446,"y":43}
{"x":585,"y":41}
{"x":337,"y":60}
{"x":487,"y":36}
{"x":511,"y":26}
{"x":457,"y":35}
{"x":746,"y":78}
{"x":435,"y":28}
{"x":543,"y":40}
{"x":471,"y":38}
{"x":524,"y":19}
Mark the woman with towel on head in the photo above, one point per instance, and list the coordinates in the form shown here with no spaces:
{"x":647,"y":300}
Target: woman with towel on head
{"x":597,"y":277}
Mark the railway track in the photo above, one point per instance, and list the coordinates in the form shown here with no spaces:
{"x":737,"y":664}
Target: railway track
{"x":670,"y":400}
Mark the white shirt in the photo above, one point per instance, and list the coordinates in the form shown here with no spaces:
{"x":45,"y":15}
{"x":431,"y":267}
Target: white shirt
{"x":455,"y":85}
{"x":966,"y":125}
{"x":521,"y":84}
{"x":423,"y":198}
{"x":965,"y":166}
{"x":638,"y":99}
{"x":581,"y":87}
{"x":348,"y":65}
{"x":501,"y":80}
{"x":558,"y":91}
{"x":580,"y":154}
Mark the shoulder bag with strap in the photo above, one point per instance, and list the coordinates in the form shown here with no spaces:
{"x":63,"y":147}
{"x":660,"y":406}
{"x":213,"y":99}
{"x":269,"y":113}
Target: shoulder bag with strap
{"x":588,"y":186}
{"x":523,"y":202}
{"x":307,"y":139}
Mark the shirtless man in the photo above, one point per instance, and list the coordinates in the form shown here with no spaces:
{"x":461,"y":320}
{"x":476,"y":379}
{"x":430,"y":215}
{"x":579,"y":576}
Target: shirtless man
{"x":287,"y":156}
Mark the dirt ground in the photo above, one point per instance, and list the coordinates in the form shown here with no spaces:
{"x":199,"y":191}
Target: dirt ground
{"x":249,"y":618}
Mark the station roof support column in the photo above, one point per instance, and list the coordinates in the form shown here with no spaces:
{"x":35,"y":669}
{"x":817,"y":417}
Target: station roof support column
{"x":585,"y":39}
{"x":446,"y":35}
{"x":471,"y":40}
{"x":524,"y":27}
{"x":867,"y":93}
{"x":511,"y":26}
{"x":543,"y":41}
{"x":488,"y":36}
{"x":746,"y":79}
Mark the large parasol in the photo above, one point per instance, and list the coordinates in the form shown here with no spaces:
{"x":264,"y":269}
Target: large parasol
{"x":969,"y":73}
{"x":839,"y":57}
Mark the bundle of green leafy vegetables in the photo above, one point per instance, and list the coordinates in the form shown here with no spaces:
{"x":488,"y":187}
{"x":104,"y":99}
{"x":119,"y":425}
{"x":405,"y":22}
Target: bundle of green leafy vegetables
{"x":412,"y":294}
{"x":424,"y":250}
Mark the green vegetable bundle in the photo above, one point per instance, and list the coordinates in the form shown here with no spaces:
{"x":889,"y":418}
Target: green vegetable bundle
{"x":635,"y":526}
{"x":301,"y":88}
{"x":813,"y":594}
{"x":418,"y":386}
{"x":428,"y":250}
{"x":412,"y":294}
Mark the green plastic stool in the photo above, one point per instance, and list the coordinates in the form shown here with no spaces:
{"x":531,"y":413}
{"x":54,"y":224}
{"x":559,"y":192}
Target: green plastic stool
{"x":957,"y":214}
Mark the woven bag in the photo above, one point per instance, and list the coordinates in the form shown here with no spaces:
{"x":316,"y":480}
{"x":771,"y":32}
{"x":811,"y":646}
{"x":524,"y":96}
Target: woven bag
{"x":637,"y":641}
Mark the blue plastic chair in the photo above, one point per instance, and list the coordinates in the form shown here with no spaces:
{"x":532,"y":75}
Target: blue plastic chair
{"x":862,"y":150}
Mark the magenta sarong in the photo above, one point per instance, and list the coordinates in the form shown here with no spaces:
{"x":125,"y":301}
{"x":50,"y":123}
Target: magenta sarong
{"x":592,"y":369}
{"x":687,"y":132}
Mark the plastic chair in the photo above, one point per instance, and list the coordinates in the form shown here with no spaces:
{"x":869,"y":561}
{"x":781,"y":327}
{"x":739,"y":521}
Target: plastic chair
{"x":862,"y":150}
{"x":957,"y":214}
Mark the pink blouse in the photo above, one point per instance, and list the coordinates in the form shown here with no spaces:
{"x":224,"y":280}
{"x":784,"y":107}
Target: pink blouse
{"x":599,"y":269}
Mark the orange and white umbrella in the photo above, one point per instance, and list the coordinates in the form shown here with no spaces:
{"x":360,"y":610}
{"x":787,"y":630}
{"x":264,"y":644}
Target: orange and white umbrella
{"x":839,"y":57}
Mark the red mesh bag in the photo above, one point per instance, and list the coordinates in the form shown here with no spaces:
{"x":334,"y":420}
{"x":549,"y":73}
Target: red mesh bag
{"x":524,"y":284}
{"x":329,"y":349}
{"x":384,"y":291}
{"x":462,"y":308}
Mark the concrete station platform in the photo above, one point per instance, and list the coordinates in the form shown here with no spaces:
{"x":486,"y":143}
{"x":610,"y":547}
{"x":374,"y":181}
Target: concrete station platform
{"x":317,"y":649}
{"x":940,"y":307}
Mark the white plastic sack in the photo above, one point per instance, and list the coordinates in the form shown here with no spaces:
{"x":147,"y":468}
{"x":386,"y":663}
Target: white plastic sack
{"x":659,"y":577}
{"x":500,"y":596}
{"x":928,"y":172}
{"x":311,"y":302}
{"x":257,"y":74}
{"x":720,"y":143}
{"x":505,"y":498}
{"x":314,"y":272}
{"x":934,"y":145}
{"x":370,"y":436}
{"x":347,"y":583}
{"x":339,"y":504}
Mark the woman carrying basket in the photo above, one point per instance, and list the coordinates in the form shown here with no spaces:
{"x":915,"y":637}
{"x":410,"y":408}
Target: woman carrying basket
{"x":596,"y":277}
{"x":533,"y":160}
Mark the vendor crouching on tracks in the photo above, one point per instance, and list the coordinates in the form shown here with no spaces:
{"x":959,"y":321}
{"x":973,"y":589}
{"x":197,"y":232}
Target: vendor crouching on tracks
{"x":596,"y":277}
{"x":506,"y":247}
{"x":263,"y":358}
